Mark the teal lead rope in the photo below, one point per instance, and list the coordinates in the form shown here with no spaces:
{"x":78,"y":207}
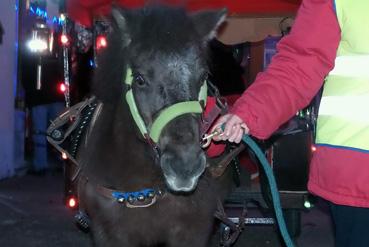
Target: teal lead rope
{"x":273,"y":188}
{"x":271,"y":180}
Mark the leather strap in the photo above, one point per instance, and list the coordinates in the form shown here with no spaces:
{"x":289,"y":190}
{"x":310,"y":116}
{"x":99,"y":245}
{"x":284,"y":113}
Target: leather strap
{"x":218,"y":165}
{"x":235,"y":229}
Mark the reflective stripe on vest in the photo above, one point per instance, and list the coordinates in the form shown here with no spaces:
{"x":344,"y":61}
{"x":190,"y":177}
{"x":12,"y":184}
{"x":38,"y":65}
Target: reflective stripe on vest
{"x":351,"y":66}
{"x":343,"y":118}
{"x":352,"y":108}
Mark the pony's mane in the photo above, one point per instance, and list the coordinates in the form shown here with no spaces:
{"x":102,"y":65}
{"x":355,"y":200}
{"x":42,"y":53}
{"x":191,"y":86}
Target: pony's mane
{"x":107,"y":81}
{"x":165,"y":28}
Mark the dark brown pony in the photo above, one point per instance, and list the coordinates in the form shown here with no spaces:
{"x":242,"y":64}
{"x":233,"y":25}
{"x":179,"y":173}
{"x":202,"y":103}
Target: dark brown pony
{"x":138,"y":191}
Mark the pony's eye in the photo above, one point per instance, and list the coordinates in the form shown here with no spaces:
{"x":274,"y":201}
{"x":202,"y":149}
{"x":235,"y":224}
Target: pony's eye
{"x":139,"y":80}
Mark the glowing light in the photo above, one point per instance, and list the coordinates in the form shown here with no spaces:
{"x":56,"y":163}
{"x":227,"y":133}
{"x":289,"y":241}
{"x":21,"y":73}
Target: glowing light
{"x":64,"y":156}
{"x":313,"y":148}
{"x":62,"y":17}
{"x":101,"y":42}
{"x":37,"y":45}
{"x":92,"y":64}
{"x":43,"y":14}
{"x":72,"y":202}
{"x":62,"y":87}
{"x":307,"y":204}
{"x":64,"y":39}
{"x":40,"y":12}
{"x":51,"y":43}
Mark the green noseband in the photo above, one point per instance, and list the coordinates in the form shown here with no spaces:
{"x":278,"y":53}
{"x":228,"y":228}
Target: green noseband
{"x":167,"y":114}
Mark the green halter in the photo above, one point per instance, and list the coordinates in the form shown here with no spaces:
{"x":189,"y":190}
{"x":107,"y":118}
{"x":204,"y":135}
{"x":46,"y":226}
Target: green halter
{"x":167,"y":114}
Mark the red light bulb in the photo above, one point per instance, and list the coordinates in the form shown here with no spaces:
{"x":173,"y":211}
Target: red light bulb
{"x":101,"y":42}
{"x":64,"y":156}
{"x":72,"y":202}
{"x":62,"y":87}
{"x":64,"y":39}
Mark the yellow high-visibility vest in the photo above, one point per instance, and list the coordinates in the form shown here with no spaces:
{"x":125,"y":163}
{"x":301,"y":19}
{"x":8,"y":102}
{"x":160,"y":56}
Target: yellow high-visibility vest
{"x":343,"y":118}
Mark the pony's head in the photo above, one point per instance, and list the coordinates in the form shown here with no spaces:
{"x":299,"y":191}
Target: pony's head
{"x":159,"y":65}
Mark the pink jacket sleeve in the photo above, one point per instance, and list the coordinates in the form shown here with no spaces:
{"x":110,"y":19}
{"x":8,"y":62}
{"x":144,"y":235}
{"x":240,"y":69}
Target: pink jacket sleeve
{"x":296,"y":73}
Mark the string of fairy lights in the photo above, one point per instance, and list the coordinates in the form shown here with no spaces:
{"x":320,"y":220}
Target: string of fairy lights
{"x":43,"y":14}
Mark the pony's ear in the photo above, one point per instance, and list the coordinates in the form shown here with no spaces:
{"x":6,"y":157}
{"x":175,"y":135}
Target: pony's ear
{"x":121,"y":22}
{"x":207,"y":22}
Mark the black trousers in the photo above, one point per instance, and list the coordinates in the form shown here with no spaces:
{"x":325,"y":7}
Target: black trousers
{"x":351,"y":226}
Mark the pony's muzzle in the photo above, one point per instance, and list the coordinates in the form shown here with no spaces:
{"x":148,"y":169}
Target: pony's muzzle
{"x":183,"y":171}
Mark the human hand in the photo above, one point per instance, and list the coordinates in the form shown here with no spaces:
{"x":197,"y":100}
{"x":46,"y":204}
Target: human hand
{"x":234,"y":128}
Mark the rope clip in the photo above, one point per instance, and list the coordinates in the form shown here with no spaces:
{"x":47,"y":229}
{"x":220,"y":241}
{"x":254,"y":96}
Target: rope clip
{"x":207,"y":138}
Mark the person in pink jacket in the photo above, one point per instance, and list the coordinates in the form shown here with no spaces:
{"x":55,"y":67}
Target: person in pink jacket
{"x":323,"y":31}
